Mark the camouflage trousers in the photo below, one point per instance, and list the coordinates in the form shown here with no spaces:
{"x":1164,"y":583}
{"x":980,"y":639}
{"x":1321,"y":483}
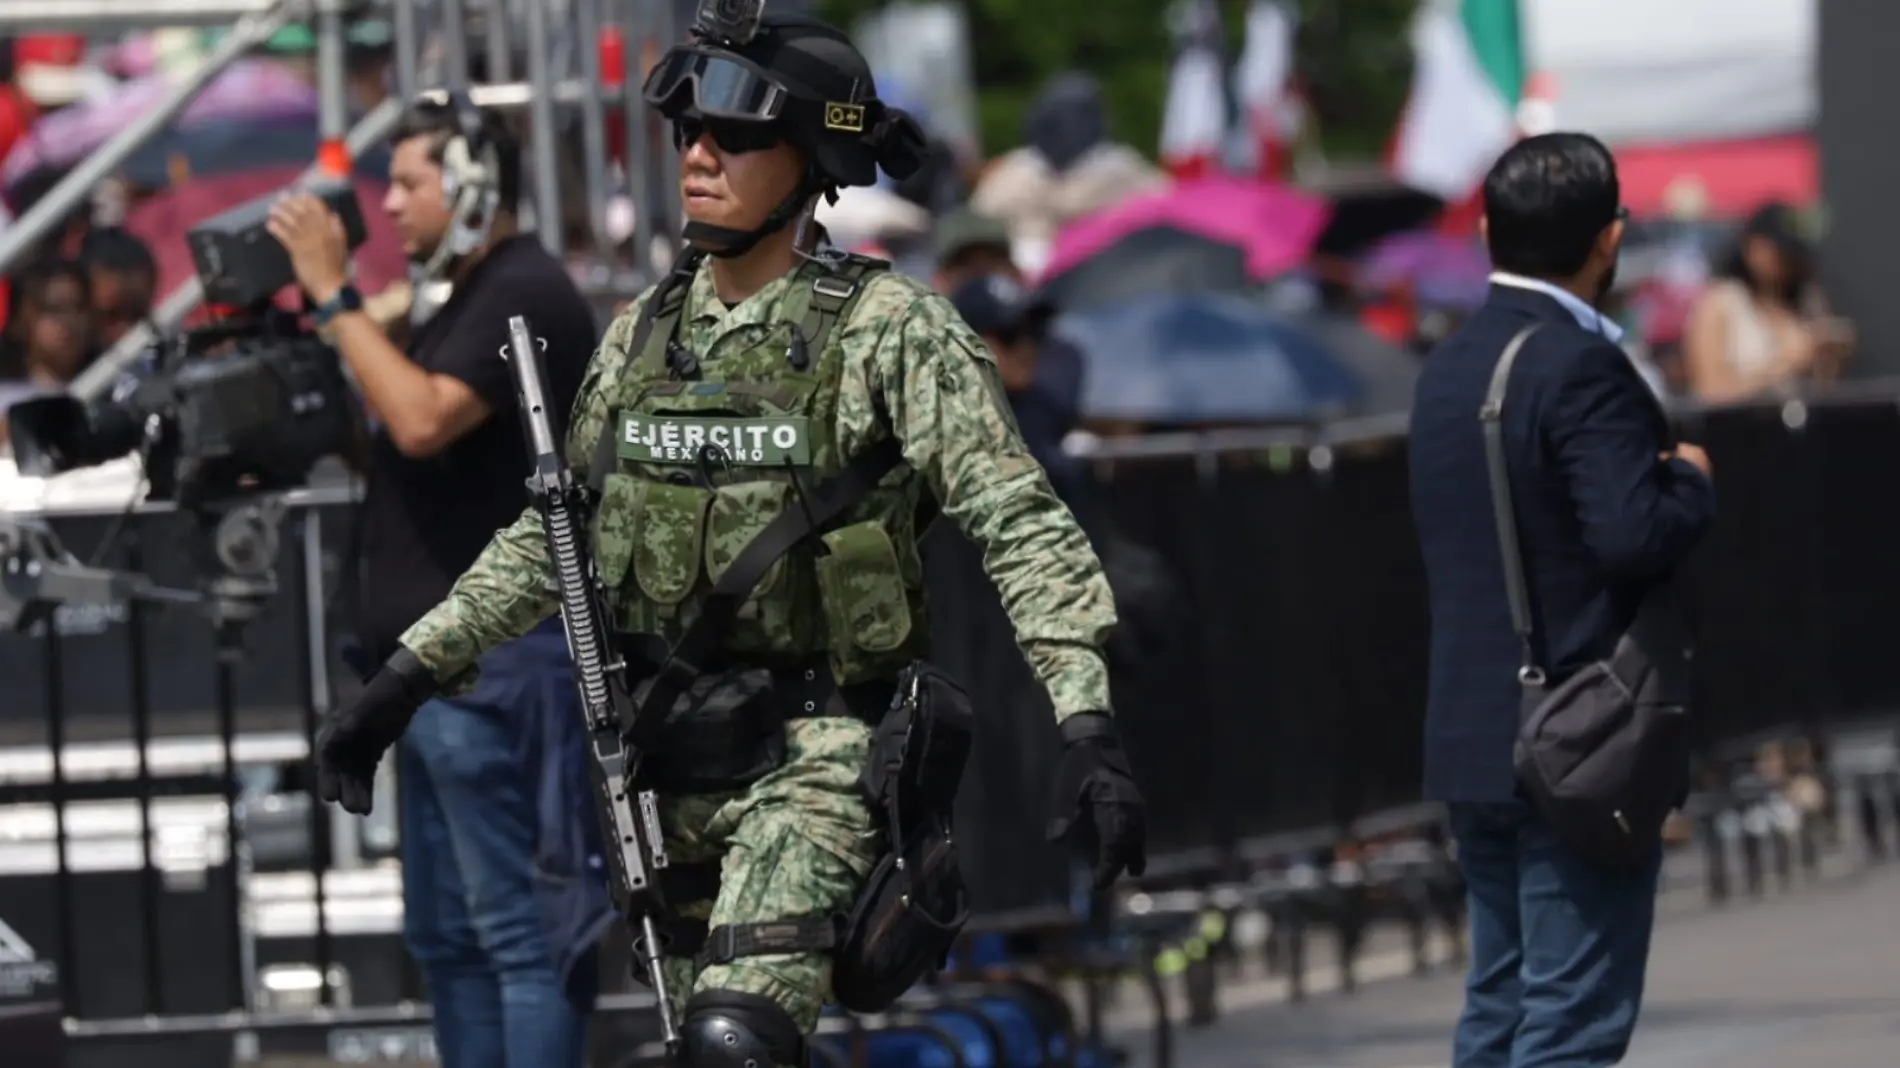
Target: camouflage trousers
{"x":795,"y":843}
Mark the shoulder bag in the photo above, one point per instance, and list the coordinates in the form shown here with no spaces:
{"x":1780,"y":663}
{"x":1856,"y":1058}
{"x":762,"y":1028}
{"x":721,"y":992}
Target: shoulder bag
{"x":1604,"y":754}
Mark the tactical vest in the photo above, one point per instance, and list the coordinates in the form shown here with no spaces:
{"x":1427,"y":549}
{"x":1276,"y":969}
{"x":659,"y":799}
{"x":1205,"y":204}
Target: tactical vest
{"x":709,"y":448}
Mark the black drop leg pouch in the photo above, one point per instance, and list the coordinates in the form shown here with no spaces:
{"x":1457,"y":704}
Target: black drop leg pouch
{"x":915,"y":903}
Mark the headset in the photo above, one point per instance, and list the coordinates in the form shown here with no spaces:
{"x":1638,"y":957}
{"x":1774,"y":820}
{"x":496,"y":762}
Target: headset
{"x":471,"y":179}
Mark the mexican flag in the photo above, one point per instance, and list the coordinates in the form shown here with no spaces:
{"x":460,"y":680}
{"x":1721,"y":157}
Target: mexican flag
{"x":1265,"y":87}
{"x":1467,"y":79}
{"x":1194,"y":118}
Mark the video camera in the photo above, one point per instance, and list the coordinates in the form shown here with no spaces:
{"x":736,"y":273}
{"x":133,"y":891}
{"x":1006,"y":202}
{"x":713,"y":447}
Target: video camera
{"x":244,"y":406}
{"x":733,"y":22}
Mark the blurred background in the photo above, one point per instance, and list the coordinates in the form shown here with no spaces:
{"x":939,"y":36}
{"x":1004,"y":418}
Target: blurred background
{"x":1231,"y":232}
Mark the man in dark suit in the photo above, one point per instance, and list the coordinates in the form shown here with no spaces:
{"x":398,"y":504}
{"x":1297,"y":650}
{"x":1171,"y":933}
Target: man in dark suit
{"x":1606,"y":506}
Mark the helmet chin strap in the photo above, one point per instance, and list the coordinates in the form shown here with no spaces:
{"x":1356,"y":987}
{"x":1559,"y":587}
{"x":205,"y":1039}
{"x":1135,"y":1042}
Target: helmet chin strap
{"x":724,"y":242}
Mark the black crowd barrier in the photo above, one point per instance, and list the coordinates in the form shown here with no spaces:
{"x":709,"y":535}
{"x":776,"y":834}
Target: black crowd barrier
{"x":1270,"y":678}
{"x":1283,"y":688}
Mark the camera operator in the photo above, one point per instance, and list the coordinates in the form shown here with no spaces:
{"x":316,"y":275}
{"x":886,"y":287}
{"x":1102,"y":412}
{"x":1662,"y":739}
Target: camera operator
{"x":488,"y":831}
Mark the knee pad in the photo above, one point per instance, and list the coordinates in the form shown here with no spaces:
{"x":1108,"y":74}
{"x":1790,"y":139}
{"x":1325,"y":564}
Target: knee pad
{"x":729,"y":1029}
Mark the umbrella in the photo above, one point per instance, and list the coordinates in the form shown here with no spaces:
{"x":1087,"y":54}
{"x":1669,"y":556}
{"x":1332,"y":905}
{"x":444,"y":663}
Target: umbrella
{"x":1275,"y":226}
{"x":162,"y":220}
{"x":1387,"y":372}
{"x":1441,"y":270}
{"x":1204,"y":357}
{"x":251,"y":89}
{"x":1148,"y":262}
{"x":236,"y":146}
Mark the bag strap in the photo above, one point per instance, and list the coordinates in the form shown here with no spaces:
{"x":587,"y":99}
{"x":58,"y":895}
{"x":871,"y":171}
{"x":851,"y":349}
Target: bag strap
{"x":661,"y":315}
{"x":825,"y":302}
{"x":665,"y":303}
{"x":822,"y":506}
{"x":1515,"y":587}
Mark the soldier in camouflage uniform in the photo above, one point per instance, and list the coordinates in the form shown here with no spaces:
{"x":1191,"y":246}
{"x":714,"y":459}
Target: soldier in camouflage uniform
{"x":727,"y":395}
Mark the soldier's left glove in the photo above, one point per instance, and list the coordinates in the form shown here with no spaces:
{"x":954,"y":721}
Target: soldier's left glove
{"x":1095,"y":796}
{"x":352,"y":742}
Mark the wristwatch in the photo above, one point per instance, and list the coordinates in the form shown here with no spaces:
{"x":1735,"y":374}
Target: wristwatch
{"x":347,"y":299}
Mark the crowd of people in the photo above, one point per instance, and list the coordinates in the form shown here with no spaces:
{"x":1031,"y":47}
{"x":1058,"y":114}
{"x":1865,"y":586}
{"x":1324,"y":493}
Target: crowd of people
{"x":65,"y":311}
{"x":1748,"y":318}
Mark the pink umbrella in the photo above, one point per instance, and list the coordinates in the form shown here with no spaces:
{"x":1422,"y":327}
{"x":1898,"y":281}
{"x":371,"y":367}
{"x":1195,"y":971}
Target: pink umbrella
{"x":1276,"y":225}
{"x":250,"y":89}
{"x":1442,"y":269}
{"x":162,"y":220}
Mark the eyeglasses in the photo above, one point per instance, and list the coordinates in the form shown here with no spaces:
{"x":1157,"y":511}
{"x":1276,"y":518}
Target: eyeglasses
{"x":737,"y":138}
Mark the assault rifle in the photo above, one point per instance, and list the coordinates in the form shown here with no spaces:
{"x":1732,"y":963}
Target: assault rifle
{"x":629,"y":814}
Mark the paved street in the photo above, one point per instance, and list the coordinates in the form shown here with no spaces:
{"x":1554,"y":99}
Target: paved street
{"x":1808,"y":979}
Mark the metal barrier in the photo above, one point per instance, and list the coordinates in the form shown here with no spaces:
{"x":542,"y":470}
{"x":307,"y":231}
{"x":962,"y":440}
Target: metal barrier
{"x":189,"y":891}
{"x":198,"y":906}
{"x":1277,"y":701}
{"x":1289,"y":687}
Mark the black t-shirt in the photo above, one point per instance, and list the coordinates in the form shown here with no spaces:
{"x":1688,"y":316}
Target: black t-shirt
{"x":425,"y":521}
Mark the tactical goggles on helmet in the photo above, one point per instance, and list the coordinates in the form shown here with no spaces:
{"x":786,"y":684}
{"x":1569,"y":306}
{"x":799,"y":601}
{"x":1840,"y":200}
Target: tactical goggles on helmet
{"x":724,"y":86}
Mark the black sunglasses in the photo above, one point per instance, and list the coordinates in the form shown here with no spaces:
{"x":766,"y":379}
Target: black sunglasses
{"x":731,"y":136}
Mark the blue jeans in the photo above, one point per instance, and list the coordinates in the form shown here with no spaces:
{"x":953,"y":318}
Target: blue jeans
{"x":1558,"y":947}
{"x":469,"y":829}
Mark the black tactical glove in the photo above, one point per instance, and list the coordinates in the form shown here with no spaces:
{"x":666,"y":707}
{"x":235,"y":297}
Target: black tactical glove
{"x":353,"y":740}
{"x":1096,"y":796}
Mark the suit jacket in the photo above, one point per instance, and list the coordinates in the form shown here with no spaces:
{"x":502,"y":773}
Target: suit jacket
{"x":1600,"y":517}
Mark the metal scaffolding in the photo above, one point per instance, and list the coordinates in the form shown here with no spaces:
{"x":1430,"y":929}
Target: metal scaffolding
{"x":568,"y":98}
{"x":18,"y":16}
{"x":556,"y":42}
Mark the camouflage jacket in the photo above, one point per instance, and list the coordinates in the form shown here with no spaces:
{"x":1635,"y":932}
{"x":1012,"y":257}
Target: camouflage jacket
{"x":911,"y":369}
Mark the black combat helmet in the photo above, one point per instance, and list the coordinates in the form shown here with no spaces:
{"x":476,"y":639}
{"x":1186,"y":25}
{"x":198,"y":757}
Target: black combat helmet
{"x":802,"y":78}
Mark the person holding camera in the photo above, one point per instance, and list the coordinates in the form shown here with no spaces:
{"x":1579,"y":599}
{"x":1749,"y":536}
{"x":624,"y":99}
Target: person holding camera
{"x":503,"y":900}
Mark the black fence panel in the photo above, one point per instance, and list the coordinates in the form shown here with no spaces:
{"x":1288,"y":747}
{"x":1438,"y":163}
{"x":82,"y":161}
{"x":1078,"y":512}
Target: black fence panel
{"x":1375,"y":653}
{"x":1005,"y":788}
{"x":1307,"y":613}
{"x":1855,"y":540}
{"x":1754,"y":596}
{"x":1163,"y":658}
{"x":1273,"y":684}
{"x":1793,"y":587}
{"x":1289,"y":692}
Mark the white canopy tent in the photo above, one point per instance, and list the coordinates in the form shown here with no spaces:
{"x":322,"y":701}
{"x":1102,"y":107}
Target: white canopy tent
{"x":1633,"y":71}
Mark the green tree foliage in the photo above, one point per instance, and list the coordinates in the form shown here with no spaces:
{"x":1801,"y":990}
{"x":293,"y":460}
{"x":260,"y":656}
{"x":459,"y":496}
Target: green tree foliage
{"x":1357,"y":66}
{"x":1356,"y":69}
